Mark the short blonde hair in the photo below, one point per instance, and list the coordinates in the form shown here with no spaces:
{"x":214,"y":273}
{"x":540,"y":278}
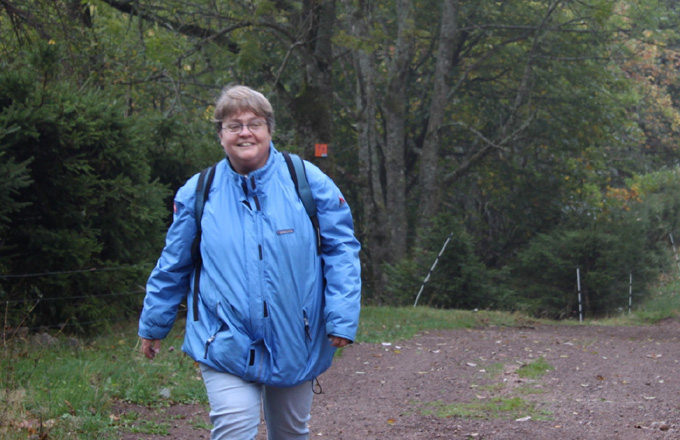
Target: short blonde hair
{"x":239,"y":99}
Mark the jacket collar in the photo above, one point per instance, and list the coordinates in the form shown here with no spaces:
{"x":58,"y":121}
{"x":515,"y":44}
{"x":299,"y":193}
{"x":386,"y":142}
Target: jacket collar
{"x":259,"y":175}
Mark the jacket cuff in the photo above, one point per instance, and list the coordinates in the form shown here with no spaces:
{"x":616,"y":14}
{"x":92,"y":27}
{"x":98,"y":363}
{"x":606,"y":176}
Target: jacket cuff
{"x":332,"y":331}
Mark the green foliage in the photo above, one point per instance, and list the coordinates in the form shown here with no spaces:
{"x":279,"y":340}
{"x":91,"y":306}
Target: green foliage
{"x":459,"y":280}
{"x":13,"y":177}
{"x":83,"y":199}
{"x":663,"y":301}
{"x":179,"y":148}
{"x":570,"y":138}
{"x":574,"y":103}
{"x":606,"y":253}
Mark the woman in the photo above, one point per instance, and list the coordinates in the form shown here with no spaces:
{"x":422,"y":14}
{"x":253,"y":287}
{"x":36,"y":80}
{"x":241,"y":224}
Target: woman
{"x":271,"y":309}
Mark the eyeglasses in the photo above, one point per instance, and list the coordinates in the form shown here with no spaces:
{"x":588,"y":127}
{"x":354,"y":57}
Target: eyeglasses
{"x":253,"y":127}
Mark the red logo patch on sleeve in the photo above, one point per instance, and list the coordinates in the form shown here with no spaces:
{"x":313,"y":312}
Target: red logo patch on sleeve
{"x":342,"y":201}
{"x":174,"y":208}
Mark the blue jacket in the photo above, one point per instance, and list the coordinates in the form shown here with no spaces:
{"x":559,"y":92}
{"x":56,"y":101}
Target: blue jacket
{"x":268,"y":301}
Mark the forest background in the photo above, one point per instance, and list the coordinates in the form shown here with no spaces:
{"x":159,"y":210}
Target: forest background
{"x":539,"y":136}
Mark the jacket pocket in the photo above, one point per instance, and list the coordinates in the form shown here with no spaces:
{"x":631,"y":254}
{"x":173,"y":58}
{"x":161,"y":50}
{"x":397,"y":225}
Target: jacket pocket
{"x":227,"y":348}
{"x":258,"y":368}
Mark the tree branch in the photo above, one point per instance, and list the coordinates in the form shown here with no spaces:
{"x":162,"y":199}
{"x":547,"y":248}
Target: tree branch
{"x":17,"y":15}
{"x":483,"y":152}
{"x":132,"y":8}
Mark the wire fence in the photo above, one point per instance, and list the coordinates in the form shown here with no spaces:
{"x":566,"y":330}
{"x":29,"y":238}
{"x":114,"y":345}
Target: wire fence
{"x":71,"y":272}
{"x":30,"y":304}
{"x":620,"y":289}
{"x":63,"y":298}
{"x":36,"y":301}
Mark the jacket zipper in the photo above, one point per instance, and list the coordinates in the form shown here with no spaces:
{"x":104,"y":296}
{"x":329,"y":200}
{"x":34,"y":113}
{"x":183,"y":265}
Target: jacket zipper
{"x":207,"y":345}
{"x":304,"y":316}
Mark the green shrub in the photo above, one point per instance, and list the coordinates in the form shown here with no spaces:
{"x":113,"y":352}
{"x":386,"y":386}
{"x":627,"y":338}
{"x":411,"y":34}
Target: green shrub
{"x":627,"y":240}
{"x":459,"y":280}
{"x":82,"y":198}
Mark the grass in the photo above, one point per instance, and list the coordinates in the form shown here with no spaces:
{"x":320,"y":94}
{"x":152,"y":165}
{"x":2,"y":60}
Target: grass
{"x":495,"y":369}
{"x":71,"y":390}
{"x":528,"y":390}
{"x":662,"y":303}
{"x":380,"y":324}
{"x":499,"y":405}
{"x":535,"y":369}
{"x":494,"y":408}
{"x":68,"y":391}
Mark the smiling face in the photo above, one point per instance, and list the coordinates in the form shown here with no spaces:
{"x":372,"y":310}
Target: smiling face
{"x":247,"y":150}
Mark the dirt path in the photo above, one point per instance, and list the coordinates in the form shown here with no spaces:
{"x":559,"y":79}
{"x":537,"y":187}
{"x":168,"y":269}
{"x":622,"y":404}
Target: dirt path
{"x":607,"y":383}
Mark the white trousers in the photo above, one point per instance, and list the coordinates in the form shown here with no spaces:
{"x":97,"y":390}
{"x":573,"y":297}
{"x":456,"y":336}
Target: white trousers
{"x":235,"y":408}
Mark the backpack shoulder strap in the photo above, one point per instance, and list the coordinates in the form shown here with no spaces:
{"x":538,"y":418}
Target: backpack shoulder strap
{"x":296,"y":167}
{"x":205,"y":180}
{"x":203,"y":185}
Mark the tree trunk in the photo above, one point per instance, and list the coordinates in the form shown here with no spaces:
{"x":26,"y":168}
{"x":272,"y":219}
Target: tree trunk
{"x":394,"y":107}
{"x":429,"y":159}
{"x":373,"y":218}
{"x":312,"y":108}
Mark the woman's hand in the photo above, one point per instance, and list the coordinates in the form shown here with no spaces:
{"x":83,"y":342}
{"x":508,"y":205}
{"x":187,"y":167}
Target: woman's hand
{"x":338,"y":342}
{"x":151,"y":347}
